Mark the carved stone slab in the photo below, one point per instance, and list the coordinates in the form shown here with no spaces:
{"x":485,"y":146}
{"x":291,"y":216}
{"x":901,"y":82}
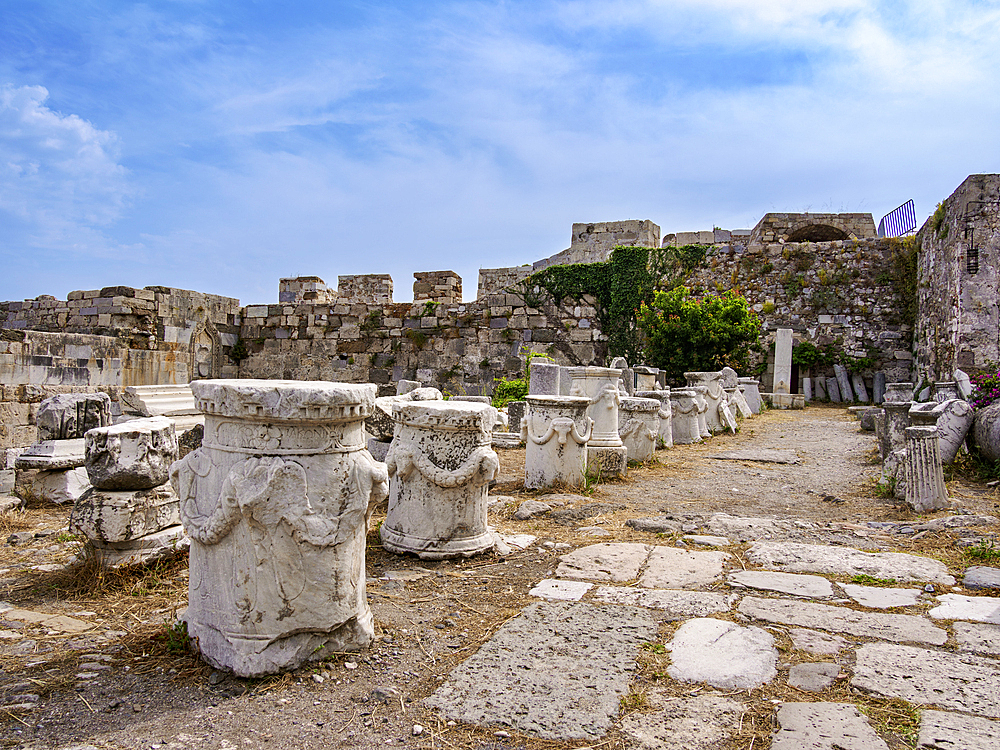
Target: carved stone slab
{"x":111,"y":516}
{"x":133,"y":455}
{"x":70,"y":415}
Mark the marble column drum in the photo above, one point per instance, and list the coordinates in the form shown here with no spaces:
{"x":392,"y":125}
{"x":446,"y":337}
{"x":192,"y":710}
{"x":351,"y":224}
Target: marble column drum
{"x":714,"y":394}
{"x":665,"y":432}
{"x":684,"y":407}
{"x":605,"y":451}
{"x":953,"y":419}
{"x":925,"y":490}
{"x":275,"y":502}
{"x":555,"y":432}
{"x":638,"y":426}
{"x":440,"y":465}
{"x":897,"y":419}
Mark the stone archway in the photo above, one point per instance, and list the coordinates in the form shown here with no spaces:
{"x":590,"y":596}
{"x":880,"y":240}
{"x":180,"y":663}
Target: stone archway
{"x":816,"y":233}
{"x":205,"y":352}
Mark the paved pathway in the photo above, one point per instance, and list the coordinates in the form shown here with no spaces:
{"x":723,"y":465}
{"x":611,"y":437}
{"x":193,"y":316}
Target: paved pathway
{"x":560,"y":668}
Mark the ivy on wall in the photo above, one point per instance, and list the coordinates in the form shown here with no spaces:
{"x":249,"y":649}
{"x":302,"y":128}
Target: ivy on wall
{"x":903,"y":263}
{"x":618,"y":287}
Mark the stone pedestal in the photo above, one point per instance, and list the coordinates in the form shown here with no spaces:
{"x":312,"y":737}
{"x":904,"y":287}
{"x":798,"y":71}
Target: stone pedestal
{"x":555,"y":433}
{"x":115,"y":516}
{"x":807,"y":388}
{"x":715,"y":396}
{"x":440,"y":465}
{"x":750,"y":388}
{"x":605,"y":452}
{"x":898,"y":392}
{"x":897,"y":419}
{"x":700,"y":395}
{"x":275,"y":502}
{"x":684,"y":408}
{"x":925,"y":489}
{"x":666,"y":429}
{"x":645,"y":379}
{"x":638,"y":426}
{"x":133,"y":455}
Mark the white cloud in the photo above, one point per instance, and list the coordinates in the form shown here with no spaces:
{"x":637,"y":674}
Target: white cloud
{"x":59,"y":175}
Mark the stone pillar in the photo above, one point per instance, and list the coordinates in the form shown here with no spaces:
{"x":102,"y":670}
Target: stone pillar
{"x":605,"y":450}
{"x":898,"y":392}
{"x":844,"y":383}
{"x":751,"y":392}
{"x":714,"y":394}
{"x":684,"y":408}
{"x":69,"y":415}
{"x":833,"y":390}
{"x":860,"y":391}
{"x":879,"y":388}
{"x":897,"y":419}
{"x":555,"y":432}
{"x":782,"y":361}
{"x":925,"y":490}
{"x":807,"y":389}
{"x":275,"y":502}
{"x":881,"y":434}
{"x":638,"y":426}
{"x":666,"y":428}
{"x":945,"y":391}
{"x":953,"y":419}
{"x":440,"y":465}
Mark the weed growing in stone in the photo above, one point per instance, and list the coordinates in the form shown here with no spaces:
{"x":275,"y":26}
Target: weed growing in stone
{"x":985,"y":551}
{"x":867,"y":580}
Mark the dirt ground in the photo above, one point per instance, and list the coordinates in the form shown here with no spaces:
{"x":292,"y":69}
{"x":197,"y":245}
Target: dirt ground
{"x":141,"y":689}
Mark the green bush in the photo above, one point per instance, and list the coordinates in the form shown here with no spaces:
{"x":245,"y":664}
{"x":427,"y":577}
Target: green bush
{"x":683,"y":333}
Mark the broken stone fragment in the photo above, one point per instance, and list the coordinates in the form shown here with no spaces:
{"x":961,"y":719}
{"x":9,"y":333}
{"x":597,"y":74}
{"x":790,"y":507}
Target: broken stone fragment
{"x":110,"y":516}
{"x":134,"y":455}
{"x":70,"y":415}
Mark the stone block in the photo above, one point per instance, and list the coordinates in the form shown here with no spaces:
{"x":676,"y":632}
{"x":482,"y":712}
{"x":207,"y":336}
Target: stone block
{"x":824,"y":726}
{"x":722,"y":654}
{"x":70,"y":415}
{"x":813,"y":677}
{"x":133,"y":455}
{"x":941,"y":730}
{"x":122,"y":516}
{"x":60,"y":486}
{"x":961,"y":607}
{"x":606,"y":563}
{"x":141,"y":550}
{"x":670,"y":605}
{"x":673,"y":568}
{"x":815,"y":587}
{"x":793,"y":557}
{"x":53,"y":455}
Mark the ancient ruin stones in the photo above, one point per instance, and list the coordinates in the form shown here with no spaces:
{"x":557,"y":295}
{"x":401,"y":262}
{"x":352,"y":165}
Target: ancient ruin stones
{"x":639,"y":426}
{"x":812,"y":558}
{"x":813,"y":677}
{"x":750,"y":388}
{"x":824,"y":726}
{"x":889,"y":627}
{"x":555,"y":433}
{"x":440,"y":465}
{"x":133,"y":455}
{"x":684,"y":410}
{"x":722,"y":654}
{"x":70,"y":415}
{"x":673,"y":568}
{"x":670,"y":604}
{"x":981,"y":577}
{"x":121,"y":516}
{"x":815,"y":587}
{"x":877,"y":597}
{"x":714,"y":394}
{"x":665,"y":437}
{"x":543,"y":377}
{"x":986,"y":431}
{"x":61,"y":486}
{"x":961,"y":607}
{"x":275,"y":503}
{"x":925,"y":490}
{"x":702,"y":722}
{"x":606,"y":563}
{"x":943,"y":730}
{"x":898,"y":392}
{"x":955,"y":681}
{"x":53,"y":455}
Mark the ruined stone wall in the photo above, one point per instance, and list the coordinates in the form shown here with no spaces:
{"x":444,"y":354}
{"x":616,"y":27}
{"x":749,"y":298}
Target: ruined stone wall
{"x":460,"y":348}
{"x":797,"y":227}
{"x":959,"y":324}
{"x":304,"y":288}
{"x":367,"y":287}
{"x":495,"y":280}
{"x":442,"y":286}
{"x":827,"y":292}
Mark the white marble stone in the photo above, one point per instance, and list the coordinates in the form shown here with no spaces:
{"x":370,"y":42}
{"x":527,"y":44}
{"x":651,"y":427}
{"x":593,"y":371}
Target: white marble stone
{"x":722,"y":654}
{"x":684,"y":410}
{"x":600,"y":385}
{"x":977,"y":637}
{"x":672,"y":605}
{"x":70,"y":415}
{"x":815,"y":587}
{"x":961,"y":607}
{"x":876,"y":597}
{"x":925,"y":488}
{"x":813,"y":677}
{"x":62,"y":486}
{"x":123,"y":515}
{"x":639,"y":426}
{"x":568,"y":591}
{"x":555,"y":432}
{"x":543,"y":378}
{"x":673,"y":568}
{"x":782,"y":361}
{"x":440,"y":465}
{"x":816,"y":643}
{"x":715,"y":396}
{"x":898,"y":392}
{"x":750,"y":388}
{"x":701,"y":396}
{"x":665,"y":431}
{"x":605,"y":563}
{"x":133,"y":455}
{"x":142,"y":550}
{"x":275,"y":502}
{"x":793,"y":557}
{"x":160,"y":400}
{"x":53,"y":455}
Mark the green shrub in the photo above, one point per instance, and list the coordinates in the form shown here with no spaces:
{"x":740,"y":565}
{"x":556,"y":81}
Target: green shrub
{"x":683,"y":333}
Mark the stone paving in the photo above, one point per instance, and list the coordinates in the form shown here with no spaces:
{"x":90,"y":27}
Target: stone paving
{"x":559,"y":669}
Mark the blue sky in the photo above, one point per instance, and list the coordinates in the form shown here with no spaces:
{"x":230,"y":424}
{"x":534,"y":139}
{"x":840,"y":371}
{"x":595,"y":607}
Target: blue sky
{"x":219,"y":146}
